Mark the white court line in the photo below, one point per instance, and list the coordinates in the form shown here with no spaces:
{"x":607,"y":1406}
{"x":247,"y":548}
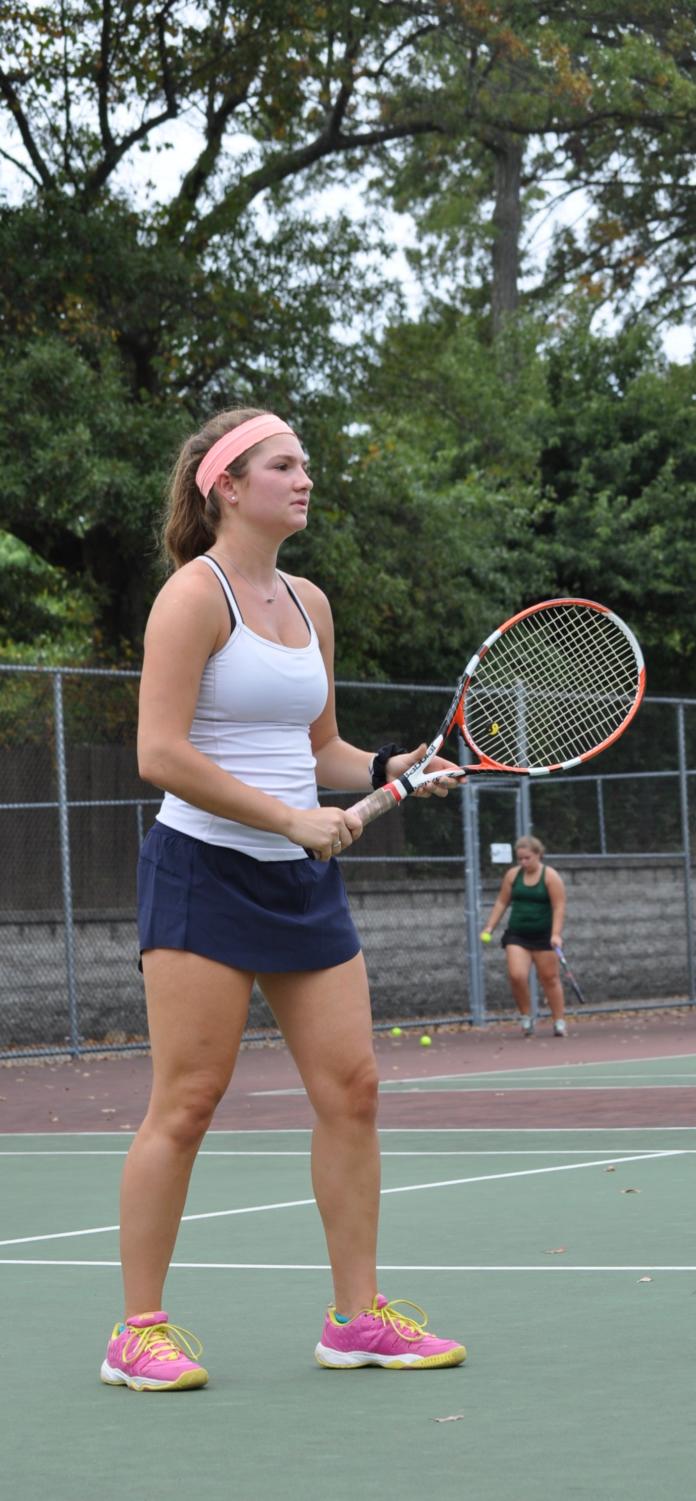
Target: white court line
{"x":282,"y":1266}
{"x":436,"y":1152}
{"x":384,"y":1131}
{"x":526,"y":1073}
{"x":506,"y":1073}
{"x":566,"y":1086}
{"x":571,"y":1086}
{"x":499,"y":1073}
{"x":541,"y":1068}
{"x":217,"y":1214}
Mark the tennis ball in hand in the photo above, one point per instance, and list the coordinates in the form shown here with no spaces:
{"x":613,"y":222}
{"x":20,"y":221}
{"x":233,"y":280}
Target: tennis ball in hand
{"x":396,"y":1032}
{"x":485,"y":936}
{"x":425,"y":1040}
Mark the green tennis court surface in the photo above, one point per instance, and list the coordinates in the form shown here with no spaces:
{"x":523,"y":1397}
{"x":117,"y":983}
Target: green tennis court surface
{"x":565,"y":1259}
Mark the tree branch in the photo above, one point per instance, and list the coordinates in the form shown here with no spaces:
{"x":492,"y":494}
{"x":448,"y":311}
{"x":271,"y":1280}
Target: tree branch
{"x":167,"y":79}
{"x":182,"y":207}
{"x":401,"y":46}
{"x":21,"y":167}
{"x":103,"y":80}
{"x":181,"y":210}
{"x":293,"y":162}
{"x":11,"y":98}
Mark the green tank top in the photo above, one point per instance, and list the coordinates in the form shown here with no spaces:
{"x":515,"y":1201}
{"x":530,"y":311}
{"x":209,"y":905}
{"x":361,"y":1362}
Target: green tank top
{"x":530,"y":909}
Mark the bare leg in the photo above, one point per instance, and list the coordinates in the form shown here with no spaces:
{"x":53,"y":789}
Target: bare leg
{"x":197,"y":1010}
{"x":546,"y":964}
{"x":326,"y":1020}
{"x":519,"y":964}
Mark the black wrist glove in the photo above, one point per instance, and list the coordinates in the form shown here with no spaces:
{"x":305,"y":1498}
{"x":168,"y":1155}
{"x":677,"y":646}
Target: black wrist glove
{"x":378,"y":764}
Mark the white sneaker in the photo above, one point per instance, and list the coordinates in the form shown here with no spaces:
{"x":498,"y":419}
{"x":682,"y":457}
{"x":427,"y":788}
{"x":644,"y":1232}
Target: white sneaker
{"x":559,"y":1029}
{"x":527,"y":1026}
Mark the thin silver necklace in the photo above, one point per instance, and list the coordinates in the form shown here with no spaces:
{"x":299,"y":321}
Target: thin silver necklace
{"x":268,"y":599}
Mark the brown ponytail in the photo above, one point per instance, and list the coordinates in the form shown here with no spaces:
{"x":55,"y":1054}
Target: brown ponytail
{"x":190,"y":522}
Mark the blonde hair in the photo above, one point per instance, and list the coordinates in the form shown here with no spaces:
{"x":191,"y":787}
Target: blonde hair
{"x":529,"y":842}
{"x":190,"y":522}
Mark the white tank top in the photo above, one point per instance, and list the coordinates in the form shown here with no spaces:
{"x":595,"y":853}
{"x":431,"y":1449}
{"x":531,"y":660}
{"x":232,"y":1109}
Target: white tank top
{"x":256,"y":702}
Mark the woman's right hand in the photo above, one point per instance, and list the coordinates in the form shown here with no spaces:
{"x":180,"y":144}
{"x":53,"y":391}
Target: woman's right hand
{"x":324,"y":831}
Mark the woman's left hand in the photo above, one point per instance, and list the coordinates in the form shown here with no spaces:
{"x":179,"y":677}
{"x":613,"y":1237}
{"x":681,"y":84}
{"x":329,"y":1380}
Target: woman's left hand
{"x":397,"y":765}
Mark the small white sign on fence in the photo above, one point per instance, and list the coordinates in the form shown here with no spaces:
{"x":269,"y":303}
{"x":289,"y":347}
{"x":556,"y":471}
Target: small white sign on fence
{"x":501,"y":854}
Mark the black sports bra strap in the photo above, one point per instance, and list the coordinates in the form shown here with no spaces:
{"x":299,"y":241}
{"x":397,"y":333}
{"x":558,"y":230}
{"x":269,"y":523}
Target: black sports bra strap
{"x":236,"y":616}
{"x":297,"y":601}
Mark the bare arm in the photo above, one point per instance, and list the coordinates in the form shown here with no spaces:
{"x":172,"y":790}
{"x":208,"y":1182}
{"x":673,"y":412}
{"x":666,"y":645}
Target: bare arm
{"x":556,"y":890}
{"x":502,"y":900}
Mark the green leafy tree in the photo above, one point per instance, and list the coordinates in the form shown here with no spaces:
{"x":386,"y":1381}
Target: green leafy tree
{"x":121,"y":327}
{"x":618,"y":476}
{"x":539,"y":102}
{"x":123,"y":322}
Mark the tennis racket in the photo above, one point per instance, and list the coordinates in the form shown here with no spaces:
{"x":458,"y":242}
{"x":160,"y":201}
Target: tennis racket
{"x":553,"y":686}
{"x":569,"y":975}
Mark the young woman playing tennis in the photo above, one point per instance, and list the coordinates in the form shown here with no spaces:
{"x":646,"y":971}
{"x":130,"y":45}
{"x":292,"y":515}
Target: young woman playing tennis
{"x":535,"y":895}
{"x":237,"y":724}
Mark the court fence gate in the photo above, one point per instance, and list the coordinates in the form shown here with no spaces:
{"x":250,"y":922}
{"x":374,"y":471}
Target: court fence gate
{"x":421,"y":881}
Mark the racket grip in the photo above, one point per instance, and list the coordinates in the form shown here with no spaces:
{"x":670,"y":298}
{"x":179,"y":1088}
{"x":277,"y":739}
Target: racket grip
{"x":375,"y":804}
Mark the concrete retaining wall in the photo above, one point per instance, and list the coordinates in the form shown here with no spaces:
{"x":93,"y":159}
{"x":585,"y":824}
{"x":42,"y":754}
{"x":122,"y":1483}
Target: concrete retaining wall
{"x":625,"y":935}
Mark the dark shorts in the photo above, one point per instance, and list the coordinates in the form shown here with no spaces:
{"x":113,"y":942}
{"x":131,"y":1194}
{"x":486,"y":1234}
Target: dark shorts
{"x":535,"y":942}
{"x":267,"y":916}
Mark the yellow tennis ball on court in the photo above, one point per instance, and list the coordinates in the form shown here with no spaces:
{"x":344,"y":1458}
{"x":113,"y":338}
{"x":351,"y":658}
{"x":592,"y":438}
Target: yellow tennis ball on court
{"x":425,"y":1040}
{"x":485,"y":936}
{"x":396,"y":1032}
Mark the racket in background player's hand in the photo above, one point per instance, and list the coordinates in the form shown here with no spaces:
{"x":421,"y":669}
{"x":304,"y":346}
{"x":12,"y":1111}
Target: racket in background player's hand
{"x":570,"y":977}
{"x":553,"y":686}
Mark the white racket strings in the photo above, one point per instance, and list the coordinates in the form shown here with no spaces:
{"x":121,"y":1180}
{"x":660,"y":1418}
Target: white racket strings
{"x":554,"y":686}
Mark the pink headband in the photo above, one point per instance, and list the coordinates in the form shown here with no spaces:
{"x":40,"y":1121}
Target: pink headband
{"x":231,"y":444}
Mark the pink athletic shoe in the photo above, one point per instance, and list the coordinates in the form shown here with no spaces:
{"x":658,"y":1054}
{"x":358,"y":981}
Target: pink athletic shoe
{"x":147,"y":1354}
{"x":382,"y":1336}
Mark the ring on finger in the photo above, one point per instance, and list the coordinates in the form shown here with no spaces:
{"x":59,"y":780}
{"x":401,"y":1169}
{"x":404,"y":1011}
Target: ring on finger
{"x":337,"y":845}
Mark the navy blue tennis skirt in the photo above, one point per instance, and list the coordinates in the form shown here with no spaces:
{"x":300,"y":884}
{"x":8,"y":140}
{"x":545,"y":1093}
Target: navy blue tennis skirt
{"x":268,"y":916}
{"x":535,"y":942}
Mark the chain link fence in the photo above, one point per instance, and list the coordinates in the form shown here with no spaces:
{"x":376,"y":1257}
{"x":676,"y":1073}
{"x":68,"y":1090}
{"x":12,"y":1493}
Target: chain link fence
{"x":73,"y":811}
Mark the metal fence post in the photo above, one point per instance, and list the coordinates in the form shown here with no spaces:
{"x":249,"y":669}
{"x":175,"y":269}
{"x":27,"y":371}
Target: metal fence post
{"x":472,"y":879}
{"x":523,"y":826}
{"x":66,"y":878}
{"x":600,"y":817}
{"x":686,"y":847}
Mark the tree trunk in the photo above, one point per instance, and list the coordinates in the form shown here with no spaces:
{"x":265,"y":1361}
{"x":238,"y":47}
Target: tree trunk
{"x":507,"y":221}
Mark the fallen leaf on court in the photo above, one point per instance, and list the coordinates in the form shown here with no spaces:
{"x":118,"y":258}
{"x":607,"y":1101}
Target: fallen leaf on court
{"x":556,"y":1251}
{"x":610,"y":1169}
{"x":456,"y":1417}
{"x":645,"y":1279}
{"x":631,"y":1190}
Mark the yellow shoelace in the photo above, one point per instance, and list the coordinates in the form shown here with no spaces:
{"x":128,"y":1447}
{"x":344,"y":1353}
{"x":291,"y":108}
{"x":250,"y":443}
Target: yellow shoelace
{"x":400,"y":1322}
{"x":164,"y":1341}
